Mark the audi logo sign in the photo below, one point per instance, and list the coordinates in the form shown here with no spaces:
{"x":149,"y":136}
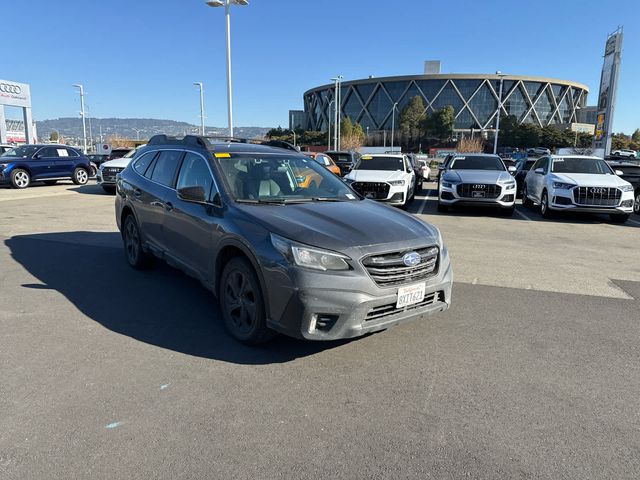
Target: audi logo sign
{"x":596,"y":190}
{"x":10,"y":88}
{"x":15,"y":94}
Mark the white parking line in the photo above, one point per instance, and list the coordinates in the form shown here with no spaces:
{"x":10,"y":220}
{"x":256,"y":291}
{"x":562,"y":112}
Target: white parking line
{"x":424,"y":203}
{"x":523,"y":215}
{"x":634,"y":222}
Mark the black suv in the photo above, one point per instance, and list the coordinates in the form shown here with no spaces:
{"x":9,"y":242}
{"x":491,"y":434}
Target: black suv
{"x":285,"y":245}
{"x":631,"y":173}
{"x":345,"y":159}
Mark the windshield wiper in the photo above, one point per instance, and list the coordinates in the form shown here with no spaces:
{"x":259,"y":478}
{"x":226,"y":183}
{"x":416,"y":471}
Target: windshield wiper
{"x":327,"y":199}
{"x":273,"y":201}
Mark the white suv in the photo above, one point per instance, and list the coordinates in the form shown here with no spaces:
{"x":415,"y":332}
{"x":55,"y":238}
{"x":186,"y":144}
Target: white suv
{"x":385,"y":177}
{"x":577,"y":183}
{"x":624,"y":153}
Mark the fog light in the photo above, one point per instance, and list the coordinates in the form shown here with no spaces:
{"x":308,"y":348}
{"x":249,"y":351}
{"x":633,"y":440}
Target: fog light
{"x":322,"y":322}
{"x":627,"y":204}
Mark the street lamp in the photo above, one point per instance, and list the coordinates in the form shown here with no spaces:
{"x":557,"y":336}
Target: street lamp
{"x":137,"y":130}
{"x":84,"y":124}
{"x":227,"y":4}
{"x":199,"y":84}
{"x":338,"y":99}
{"x":332,"y":102}
{"x":293,"y":130}
{"x":575,"y":142}
{"x":495,"y":138}
{"x":393,"y":123}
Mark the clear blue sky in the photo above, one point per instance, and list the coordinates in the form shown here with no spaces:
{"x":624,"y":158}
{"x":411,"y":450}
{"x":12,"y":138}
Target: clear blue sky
{"x":139,"y":58}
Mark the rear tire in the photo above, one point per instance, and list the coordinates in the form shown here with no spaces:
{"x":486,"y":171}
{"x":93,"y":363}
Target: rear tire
{"x":526,"y":202}
{"x":136,"y":256}
{"x":20,"y":178}
{"x":80,"y":176}
{"x":242,"y":303}
{"x":619,"y":217}
{"x":50,"y":182}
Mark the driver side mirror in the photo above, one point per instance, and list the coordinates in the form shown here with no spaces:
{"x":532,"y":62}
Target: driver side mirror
{"x":192,"y":194}
{"x":37,"y":156}
{"x":441,"y":166}
{"x":539,"y":171}
{"x":619,"y":172}
{"x":511,"y":169}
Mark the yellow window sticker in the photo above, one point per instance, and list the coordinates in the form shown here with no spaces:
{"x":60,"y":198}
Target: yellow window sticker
{"x":222,"y":155}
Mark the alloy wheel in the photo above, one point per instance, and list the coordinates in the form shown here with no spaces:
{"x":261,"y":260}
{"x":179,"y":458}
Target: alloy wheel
{"x":636,"y":204}
{"x":240,"y":302}
{"x":81,"y":176}
{"x":21,"y":179}
{"x":544,"y":204}
{"x":132,"y":241}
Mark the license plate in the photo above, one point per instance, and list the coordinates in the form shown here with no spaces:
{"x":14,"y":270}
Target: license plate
{"x":477,"y":194}
{"x":369,"y":195}
{"x":410,"y":295}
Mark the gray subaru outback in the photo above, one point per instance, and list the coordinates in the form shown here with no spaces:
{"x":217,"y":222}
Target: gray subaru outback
{"x":285,"y":245}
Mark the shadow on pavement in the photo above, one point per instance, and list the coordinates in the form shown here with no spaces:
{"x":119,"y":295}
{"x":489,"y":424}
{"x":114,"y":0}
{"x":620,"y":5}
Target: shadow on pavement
{"x":92,"y":189}
{"x":160,"y":306}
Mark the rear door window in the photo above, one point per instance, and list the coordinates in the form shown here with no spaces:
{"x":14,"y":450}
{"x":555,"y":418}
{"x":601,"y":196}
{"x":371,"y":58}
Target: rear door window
{"x":167,"y":163}
{"x":48,"y":152}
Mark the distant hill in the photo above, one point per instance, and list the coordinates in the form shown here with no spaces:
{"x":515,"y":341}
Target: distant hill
{"x":143,"y":128}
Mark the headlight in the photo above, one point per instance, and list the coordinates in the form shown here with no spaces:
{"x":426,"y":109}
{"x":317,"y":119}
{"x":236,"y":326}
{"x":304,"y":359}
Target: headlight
{"x":624,"y":188}
{"x":309,"y":257}
{"x":509,"y":185}
{"x":396,"y":183}
{"x":563,"y":185}
{"x":447,"y":184}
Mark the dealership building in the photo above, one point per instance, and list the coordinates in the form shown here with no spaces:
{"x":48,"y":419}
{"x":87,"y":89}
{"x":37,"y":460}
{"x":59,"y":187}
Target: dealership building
{"x":474,"y":98}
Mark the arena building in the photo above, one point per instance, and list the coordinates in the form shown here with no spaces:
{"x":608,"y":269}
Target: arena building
{"x":474,"y":98}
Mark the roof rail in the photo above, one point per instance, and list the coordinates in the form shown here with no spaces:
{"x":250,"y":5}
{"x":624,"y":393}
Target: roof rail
{"x":280,"y":144}
{"x":223,"y":138}
{"x":193,"y":140}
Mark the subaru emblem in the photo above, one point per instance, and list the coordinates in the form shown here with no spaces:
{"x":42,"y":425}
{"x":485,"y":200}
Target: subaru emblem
{"x":411,"y":259}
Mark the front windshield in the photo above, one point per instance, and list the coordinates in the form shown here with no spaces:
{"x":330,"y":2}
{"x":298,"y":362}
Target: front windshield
{"x":380,"y":163}
{"x":594,"y":166}
{"x":25,"y":151}
{"x":477,"y":162}
{"x":266,"y":178}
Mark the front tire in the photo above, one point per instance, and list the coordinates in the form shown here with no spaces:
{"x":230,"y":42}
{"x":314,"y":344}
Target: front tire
{"x":136,"y":256}
{"x":242,"y":303}
{"x":507,"y":212}
{"x":80,"y":176}
{"x":20,"y":178}
{"x":619,"y":217}
{"x":636,"y":204}
{"x":545,"y":211}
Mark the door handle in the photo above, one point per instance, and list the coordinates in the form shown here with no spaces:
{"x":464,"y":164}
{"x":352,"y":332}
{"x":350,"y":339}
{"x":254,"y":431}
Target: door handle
{"x":168,"y":206}
{"x":137,"y":192}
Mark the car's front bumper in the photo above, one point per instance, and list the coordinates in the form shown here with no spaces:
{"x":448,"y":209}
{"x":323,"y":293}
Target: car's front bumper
{"x":562,"y":200}
{"x":106,"y":180}
{"x":347,"y":301}
{"x":449,"y":196}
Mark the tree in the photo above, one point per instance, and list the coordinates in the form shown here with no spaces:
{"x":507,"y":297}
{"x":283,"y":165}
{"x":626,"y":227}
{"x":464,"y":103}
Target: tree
{"x":54,"y":136}
{"x":351,"y":136}
{"x":411,"y":116}
{"x":636,"y":136}
{"x":440,"y":123}
{"x":346,"y":127}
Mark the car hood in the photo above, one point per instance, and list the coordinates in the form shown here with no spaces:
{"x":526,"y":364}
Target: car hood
{"x":375,"y":175}
{"x":589,"y":179}
{"x":477,"y":176}
{"x":343,"y":226}
{"x":117,"y":163}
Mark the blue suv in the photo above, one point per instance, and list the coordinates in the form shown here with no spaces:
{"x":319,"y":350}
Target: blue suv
{"x":47,"y":163}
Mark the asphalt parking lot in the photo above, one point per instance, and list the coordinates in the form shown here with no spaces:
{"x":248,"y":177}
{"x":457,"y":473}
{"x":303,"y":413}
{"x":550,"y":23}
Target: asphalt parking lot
{"x":109,"y":372}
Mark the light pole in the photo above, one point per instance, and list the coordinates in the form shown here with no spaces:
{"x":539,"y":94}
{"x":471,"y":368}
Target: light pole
{"x":84,"y":124}
{"x":575,"y":142}
{"x":227,"y":10}
{"x":336,"y":123}
{"x":393,"y":123}
{"x":332,"y":102}
{"x":199,"y":85}
{"x":293,"y":130}
{"x":495,"y":138}
{"x":137,"y":130}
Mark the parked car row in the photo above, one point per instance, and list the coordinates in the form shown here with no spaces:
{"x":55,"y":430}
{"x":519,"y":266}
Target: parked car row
{"x":310,"y":259}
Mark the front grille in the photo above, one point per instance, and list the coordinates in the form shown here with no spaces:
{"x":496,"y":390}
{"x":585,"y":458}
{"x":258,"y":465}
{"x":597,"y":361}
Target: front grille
{"x":388,"y":269}
{"x":597,"y":196}
{"x":489,"y":190}
{"x":375,"y":190}
{"x":383,"y":311}
{"x":109,"y":173}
